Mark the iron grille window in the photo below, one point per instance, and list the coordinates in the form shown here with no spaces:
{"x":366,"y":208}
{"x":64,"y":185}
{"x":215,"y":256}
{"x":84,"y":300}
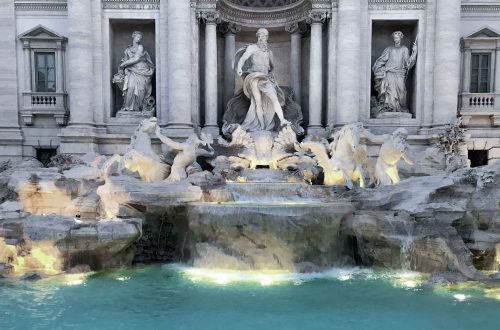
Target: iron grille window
{"x":45,"y":72}
{"x":480,"y":73}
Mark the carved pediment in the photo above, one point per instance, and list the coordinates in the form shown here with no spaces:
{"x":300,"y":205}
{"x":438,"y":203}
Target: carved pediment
{"x":41,"y":32}
{"x":485,"y":33}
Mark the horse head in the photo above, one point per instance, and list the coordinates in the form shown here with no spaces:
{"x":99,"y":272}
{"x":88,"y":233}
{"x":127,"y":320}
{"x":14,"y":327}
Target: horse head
{"x":349,"y":135}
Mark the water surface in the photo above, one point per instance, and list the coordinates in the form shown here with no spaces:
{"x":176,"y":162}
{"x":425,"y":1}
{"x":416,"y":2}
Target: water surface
{"x":173,"y":297}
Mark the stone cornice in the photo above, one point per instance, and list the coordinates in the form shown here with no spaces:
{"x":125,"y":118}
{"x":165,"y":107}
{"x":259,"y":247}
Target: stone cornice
{"x":396,"y":4}
{"x":41,"y":5}
{"x":265,"y":17}
{"x":131,"y":4}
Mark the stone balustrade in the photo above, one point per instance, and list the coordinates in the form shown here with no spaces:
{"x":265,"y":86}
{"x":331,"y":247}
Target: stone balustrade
{"x":37,"y":103}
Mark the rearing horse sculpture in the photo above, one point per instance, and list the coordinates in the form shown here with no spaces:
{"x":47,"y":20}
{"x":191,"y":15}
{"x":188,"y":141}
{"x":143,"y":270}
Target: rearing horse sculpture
{"x":346,"y":147}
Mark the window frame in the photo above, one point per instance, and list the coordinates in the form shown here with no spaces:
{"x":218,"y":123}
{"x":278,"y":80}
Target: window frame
{"x":35,"y":81}
{"x":479,"y":76}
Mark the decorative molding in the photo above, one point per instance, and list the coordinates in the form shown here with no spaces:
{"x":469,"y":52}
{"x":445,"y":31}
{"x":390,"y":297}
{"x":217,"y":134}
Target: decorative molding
{"x":131,"y":4}
{"x":484,"y":8}
{"x":209,"y":17}
{"x":316,"y":17}
{"x":396,"y":4}
{"x":40,"y":5}
{"x":297,"y":27}
{"x":226,"y":28}
{"x":263,"y":17}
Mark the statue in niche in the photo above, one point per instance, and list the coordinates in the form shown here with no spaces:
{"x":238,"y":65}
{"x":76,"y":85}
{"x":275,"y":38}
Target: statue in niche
{"x":134,"y":79}
{"x":262,"y":105}
{"x":391,"y":70}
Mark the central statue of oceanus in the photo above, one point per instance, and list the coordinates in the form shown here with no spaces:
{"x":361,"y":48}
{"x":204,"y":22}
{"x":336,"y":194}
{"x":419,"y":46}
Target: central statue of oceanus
{"x":261,"y":105}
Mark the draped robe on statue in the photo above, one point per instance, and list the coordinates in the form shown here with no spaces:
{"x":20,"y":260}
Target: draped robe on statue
{"x":137,"y":86}
{"x":390,"y":71}
{"x":267,"y":86}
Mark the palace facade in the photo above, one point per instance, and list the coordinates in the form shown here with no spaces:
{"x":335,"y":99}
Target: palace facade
{"x":59,"y":59}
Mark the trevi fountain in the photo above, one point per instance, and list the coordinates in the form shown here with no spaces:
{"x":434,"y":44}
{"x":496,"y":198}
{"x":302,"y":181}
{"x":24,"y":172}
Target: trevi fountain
{"x":263,"y":217}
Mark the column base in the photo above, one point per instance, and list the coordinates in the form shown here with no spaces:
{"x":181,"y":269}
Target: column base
{"x":11,"y":144}
{"x":78,"y":140}
{"x":317,"y":130}
{"x":214,"y":131}
{"x":175,"y":130}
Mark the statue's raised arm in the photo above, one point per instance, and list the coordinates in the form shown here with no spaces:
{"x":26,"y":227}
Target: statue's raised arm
{"x":167,"y":141}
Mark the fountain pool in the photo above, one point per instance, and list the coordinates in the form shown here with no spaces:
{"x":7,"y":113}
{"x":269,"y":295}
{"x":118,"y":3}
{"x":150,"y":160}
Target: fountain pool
{"x":176,"y":297}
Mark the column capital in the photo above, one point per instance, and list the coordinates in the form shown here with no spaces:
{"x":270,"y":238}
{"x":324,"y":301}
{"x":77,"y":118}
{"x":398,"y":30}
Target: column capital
{"x":209,"y":17}
{"x":317,"y":17}
{"x":229,"y":28}
{"x":295,"y":27}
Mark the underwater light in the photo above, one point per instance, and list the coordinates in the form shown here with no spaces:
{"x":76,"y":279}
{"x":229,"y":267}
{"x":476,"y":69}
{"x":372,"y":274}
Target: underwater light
{"x":460,"y":296}
{"x":223,"y":277}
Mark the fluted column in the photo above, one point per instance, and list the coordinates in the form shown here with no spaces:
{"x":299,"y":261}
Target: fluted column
{"x":179,"y":73}
{"x":80,"y":48}
{"x":229,"y":30}
{"x":348,"y":61}
{"x":296,"y":32}
{"x":211,"y":19}
{"x":446,"y":61}
{"x":316,"y":19}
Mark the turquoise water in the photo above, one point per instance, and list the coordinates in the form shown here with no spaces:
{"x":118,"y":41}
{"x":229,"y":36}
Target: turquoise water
{"x":172,"y":297}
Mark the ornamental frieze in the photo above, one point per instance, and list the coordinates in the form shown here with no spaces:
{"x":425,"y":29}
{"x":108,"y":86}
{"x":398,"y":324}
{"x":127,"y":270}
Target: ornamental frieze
{"x":396,"y":4}
{"x":131,"y":4}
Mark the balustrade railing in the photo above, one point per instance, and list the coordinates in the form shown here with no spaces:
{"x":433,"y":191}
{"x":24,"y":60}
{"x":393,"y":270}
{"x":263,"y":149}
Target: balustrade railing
{"x":44,"y":101}
{"x":479,"y":101}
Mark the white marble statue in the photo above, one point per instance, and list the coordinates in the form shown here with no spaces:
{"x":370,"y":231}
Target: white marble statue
{"x":254,"y":63}
{"x":346,"y":147}
{"x":390,"y":71}
{"x":140,"y":156}
{"x":392,"y":150}
{"x":134,"y":77}
{"x":334,"y":169}
{"x":188,"y":151}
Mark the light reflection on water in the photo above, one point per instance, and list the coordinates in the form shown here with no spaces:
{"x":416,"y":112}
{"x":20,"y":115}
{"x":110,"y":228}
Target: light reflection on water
{"x":177,"y":297}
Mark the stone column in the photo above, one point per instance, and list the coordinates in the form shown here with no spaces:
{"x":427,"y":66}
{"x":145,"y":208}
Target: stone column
{"x":10,"y":134}
{"x":80,"y":136}
{"x":348,"y":61}
{"x":466,"y":81}
{"x":316,"y":19}
{"x":229,"y":30}
{"x":497,"y":69}
{"x":497,"y":76}
{"x":295,"y":31}
{"x":59,"y":69}
{"x":80,"y":48}
{"x":179,"y":73}
{"x":27,"y":66}
{"x":446,"y":61}
{"x":211,"y":19}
